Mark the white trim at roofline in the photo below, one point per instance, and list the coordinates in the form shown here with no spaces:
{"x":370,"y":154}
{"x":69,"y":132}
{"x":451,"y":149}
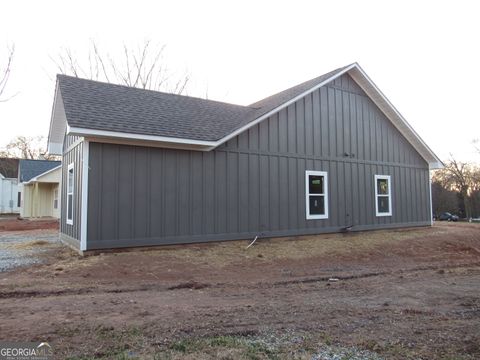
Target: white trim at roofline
{"x":49,"y":148}
{"x":34,"y":179}
{"x":284,"y":105}
{"x":121,"y":135}
{"x":84,"y":204}
{"x":395,"y":117}
{"x":437,"y":164}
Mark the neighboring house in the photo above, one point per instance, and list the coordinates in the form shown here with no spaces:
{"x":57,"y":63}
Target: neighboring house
{"x":40,"y":188}
{"x":9,"y":194}
{"x":147,"y":168}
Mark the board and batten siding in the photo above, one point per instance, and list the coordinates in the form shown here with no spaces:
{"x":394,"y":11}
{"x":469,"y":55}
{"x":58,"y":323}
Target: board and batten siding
{"x":255,"y":183}
{"x":72,"y":153}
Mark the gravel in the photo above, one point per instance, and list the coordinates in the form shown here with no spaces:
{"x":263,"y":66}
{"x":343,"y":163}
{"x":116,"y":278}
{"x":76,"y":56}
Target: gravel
{"x":23,"y":248}
{"x":343,"y":353}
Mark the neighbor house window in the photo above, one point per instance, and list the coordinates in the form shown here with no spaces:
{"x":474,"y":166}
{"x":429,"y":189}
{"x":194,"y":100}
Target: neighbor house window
{"x":383,"y":195}
{"x":316,"y":189}
{"x":70,"y":178}
{"x":55,"y":198}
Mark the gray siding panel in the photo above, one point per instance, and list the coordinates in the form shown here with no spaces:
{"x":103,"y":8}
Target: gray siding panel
{"x":255,"y":183}
{"x":72,"y":153}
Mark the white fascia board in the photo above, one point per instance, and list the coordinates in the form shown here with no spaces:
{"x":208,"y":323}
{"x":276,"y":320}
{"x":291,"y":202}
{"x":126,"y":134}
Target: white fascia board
{"x":434,"y":162}
{"x":52,"y":118}
{"x":284,"y":105}
{"x":206,"y":145}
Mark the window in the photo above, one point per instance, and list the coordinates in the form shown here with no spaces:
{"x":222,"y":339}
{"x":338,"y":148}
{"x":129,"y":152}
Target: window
{"x":316,"y":190}
{"x":383,"y":195}
{"x":19,"y":199}
{"x":55,"y":198}
{"x":70,"y":178}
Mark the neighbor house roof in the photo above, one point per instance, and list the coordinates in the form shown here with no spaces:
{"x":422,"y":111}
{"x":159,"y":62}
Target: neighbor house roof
{"x":95,"y":109}
{"x":29,"y":169}
{"x":46,"y":176}
{"x":9,"y":167}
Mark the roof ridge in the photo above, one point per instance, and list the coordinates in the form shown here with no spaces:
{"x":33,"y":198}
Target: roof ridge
{"x":152,"y":91}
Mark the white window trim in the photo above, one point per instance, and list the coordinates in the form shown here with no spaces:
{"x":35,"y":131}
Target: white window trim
{"x":307,"y":194}
{"x":389,"y":185}
{"x":70,"y":166}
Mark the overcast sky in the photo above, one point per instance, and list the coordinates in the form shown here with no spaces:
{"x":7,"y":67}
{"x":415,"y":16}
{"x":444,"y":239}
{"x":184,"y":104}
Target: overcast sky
{"x":423,"y":55}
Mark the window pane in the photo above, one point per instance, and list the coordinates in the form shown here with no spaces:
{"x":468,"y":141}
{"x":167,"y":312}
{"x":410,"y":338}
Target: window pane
{"x":317,"y":205}
{"x":70,"y":207}
{"x":382,"y":186}
{"x":315,"y":184}
{"x":383,"y":204}
{"x":70,"y":180}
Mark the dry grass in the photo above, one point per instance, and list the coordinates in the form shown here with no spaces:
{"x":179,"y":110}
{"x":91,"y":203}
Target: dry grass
{"x":301,"y":247}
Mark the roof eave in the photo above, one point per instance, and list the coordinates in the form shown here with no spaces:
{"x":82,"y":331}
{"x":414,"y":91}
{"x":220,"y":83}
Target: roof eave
{"x":141,"y":139}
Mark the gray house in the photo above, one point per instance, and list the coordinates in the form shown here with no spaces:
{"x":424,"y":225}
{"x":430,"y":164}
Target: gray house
{"x":147,"y":168}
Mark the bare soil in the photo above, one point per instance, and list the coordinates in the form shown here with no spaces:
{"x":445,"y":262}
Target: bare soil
{"x":11,"y":223}
{"x":398,"y":294}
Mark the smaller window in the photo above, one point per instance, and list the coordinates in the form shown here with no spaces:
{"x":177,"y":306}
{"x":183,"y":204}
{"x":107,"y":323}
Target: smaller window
{"x":19,"y":199}
{"x":70,"y":186}
{"x":383,"y":195}
{"x":55,"y":198}
{"x":316,"y":191}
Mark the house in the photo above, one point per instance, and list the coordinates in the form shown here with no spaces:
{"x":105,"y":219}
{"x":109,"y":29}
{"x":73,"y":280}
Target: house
{"x":9,"y":198}
{"x":39,"y":188}
{"x":147,"y":168}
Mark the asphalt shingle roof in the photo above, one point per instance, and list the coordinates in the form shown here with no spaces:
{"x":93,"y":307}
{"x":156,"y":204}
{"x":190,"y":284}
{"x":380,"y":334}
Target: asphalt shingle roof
{"x":28,"y":169}
{"x":102,"y":106}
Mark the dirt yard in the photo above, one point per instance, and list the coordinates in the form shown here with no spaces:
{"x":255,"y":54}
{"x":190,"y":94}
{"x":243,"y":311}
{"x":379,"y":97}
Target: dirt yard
{"x":405,"y":294}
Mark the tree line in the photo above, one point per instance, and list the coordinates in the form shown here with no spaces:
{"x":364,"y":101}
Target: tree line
{"x":456,"y":189}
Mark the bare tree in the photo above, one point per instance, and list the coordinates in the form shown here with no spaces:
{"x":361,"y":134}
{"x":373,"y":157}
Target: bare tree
{"x":5,"y":73}
{"x":460,"y":177}
{"x":142,"y":67}
{"x":25,"y":147}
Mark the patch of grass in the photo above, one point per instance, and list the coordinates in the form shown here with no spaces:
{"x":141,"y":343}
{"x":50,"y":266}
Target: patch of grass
{"x":228,"y":347}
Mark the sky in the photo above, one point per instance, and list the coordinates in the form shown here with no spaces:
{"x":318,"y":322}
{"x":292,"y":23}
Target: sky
{"x":423,"y":55}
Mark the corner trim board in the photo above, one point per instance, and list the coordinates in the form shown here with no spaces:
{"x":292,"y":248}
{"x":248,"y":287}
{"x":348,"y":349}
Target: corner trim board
{"x":84,"y":208}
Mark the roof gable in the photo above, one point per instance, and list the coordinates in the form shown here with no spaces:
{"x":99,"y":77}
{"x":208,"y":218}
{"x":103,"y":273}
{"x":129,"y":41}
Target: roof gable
{"x":95,"y":109}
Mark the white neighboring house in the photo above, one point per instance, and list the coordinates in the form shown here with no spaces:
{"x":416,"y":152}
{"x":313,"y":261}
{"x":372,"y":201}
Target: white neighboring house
{"x":9,"y":195}
{"x":40,"y":194}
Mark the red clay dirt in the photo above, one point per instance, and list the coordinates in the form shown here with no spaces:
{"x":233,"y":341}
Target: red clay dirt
{"x":18,"y":224}
{"x":411,"y":293}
